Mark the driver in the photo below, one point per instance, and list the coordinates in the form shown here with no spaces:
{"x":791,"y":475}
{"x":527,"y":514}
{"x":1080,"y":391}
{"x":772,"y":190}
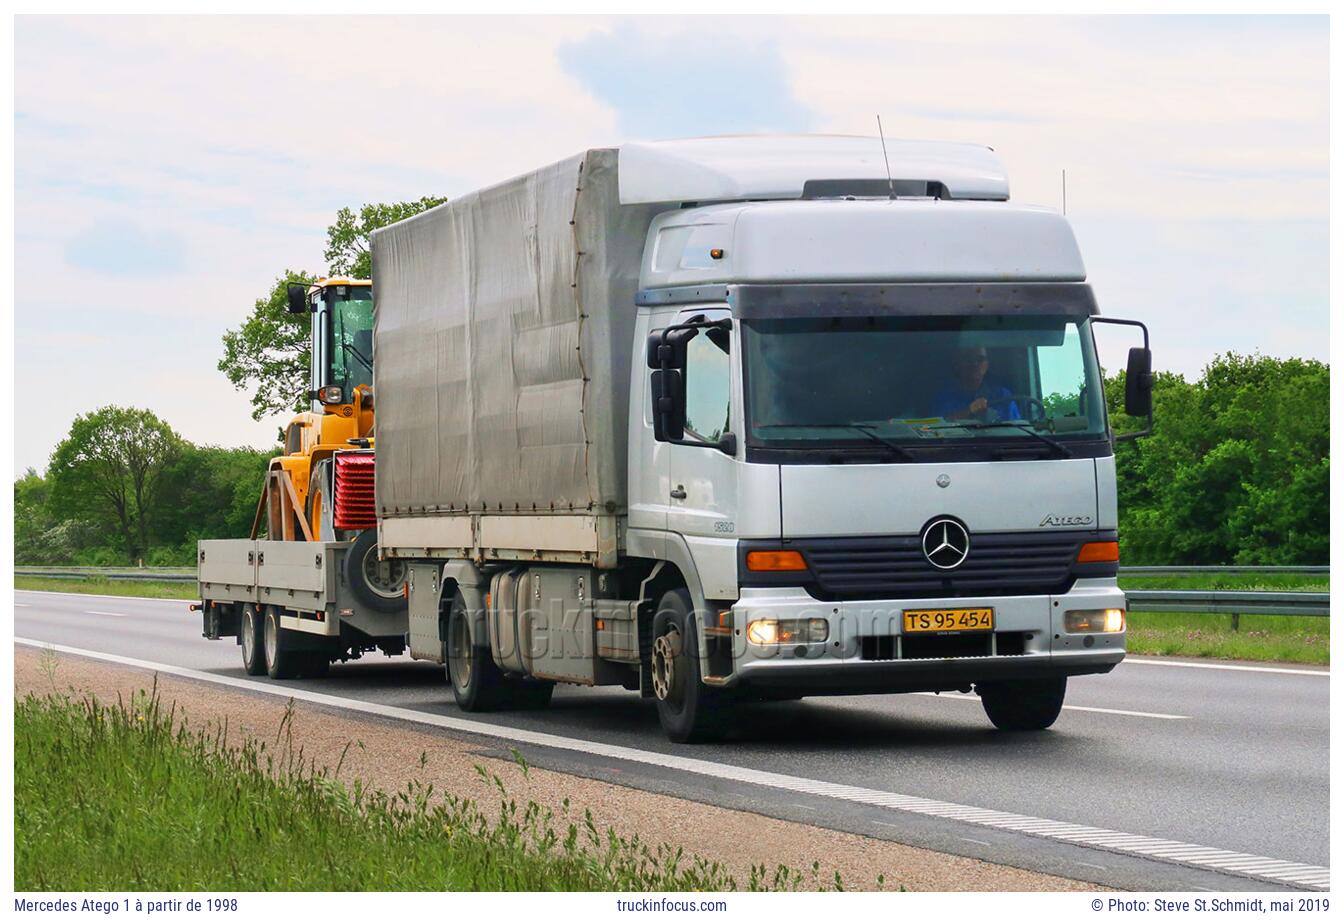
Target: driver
{"x":969,"y":396}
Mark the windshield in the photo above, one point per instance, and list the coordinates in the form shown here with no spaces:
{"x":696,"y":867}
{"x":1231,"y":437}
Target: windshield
{"x":917,"y":381}
{"x":351,"y":343}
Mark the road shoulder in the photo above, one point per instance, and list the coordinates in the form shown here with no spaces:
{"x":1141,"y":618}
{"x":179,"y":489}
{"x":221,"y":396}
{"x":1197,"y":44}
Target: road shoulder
{"x":388,"y":755}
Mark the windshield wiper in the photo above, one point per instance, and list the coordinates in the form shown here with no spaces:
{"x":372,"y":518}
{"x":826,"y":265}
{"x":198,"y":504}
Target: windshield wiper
{"x":1021,"y":425}
{"x":866,"y":430}
{"x":368,"y":365}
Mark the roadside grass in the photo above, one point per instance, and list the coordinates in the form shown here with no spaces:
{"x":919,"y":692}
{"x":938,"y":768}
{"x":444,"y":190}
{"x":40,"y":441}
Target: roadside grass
{"x":175,"y":590}
{"x":129,"y":797}
{"x":1301,"y":640}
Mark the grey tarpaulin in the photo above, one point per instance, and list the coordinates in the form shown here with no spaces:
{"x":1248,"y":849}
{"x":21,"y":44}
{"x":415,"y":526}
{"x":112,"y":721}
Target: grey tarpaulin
{"x":502,"y":338}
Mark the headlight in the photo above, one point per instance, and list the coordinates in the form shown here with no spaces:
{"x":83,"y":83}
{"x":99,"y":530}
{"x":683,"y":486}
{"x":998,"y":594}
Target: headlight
{"x":1094,"y":621}
{"x":781,"y":632}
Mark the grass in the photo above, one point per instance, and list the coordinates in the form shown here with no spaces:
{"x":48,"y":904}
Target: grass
{"x":175,"y":590}
{"x":1301,"y":640}
{"x":125,"y":797}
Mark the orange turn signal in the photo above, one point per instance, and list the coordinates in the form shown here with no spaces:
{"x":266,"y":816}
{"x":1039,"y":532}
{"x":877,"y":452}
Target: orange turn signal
{"x":786,"y":560}
{"x":1099,"y":552}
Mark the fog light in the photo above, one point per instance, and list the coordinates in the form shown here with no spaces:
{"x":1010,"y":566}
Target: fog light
{"x":779,"y":632}
{"x":1094,"y":621}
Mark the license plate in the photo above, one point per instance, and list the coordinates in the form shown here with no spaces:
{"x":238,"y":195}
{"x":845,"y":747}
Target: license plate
{"x":974,"y":620}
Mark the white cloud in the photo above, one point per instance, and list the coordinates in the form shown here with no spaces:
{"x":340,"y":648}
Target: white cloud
{"x":1197,"y":153}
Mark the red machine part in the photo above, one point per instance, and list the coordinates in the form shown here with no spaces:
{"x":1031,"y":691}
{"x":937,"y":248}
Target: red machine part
{"x":353,"y":508}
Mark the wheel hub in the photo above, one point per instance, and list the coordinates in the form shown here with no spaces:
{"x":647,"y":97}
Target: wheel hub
{"x":384,"y":576}
{"x":666,"y":648}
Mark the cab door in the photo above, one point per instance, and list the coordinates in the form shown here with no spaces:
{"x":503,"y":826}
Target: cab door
{"x":703,"y":493}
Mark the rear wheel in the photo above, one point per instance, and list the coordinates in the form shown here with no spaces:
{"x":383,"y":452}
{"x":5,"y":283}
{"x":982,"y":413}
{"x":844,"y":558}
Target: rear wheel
{"x":1023,"y":705}
{"x":249,"y":638}
{"x":478,"y":684}
{"x":689,"y":710}
{"x":282,"y":662}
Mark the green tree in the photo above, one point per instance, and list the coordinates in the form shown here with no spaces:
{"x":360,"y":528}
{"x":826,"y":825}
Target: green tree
{"x":347,"y":250}
{"x":214,"y":493}
{"x":110,"y":469}
{"x":269,"y":352}
{"x":1237,"y":469}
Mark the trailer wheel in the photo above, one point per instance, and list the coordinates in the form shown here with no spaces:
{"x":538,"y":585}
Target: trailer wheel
{"x":689,"y":710}
{"x":378,"y":584}
{"x":478,"y":684}
{"x":282,"y":662}
{"x":249,"y":639}
{"x":1023,"y":705}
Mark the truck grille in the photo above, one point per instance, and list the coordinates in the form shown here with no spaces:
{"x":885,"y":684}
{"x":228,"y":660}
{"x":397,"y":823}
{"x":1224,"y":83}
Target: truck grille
{"x":352,"y":508}
{"x":998,"y":564}
{"x":959,"y":645}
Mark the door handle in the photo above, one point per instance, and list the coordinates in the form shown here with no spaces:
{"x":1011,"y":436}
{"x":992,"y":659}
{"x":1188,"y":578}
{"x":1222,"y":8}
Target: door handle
{"x":679,"y":492}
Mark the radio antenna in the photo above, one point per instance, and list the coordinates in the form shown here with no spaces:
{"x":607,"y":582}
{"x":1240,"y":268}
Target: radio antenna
{"x":1064,"y":190}
{"x":891,"y":186}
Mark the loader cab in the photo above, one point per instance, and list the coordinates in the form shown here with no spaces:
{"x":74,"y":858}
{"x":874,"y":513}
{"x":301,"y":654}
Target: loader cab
{"x":342,"y":340}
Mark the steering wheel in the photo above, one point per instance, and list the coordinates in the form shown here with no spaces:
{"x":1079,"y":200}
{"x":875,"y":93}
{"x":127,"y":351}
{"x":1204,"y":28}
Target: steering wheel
{"x":1031,"y":403}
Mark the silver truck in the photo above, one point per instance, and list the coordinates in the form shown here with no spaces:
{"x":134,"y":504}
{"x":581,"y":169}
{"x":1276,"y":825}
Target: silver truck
{"x":750,"y":418}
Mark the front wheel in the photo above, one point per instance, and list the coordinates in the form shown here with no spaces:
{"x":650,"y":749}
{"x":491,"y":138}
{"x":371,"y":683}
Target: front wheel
{"x":1023,"y":705}
{"x":689,"y":710}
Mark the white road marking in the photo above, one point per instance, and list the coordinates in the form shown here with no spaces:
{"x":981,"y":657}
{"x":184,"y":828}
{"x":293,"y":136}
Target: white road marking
{"x":1275,"y":870}
{"x":1324,"y":672}
{"x":973,"y":840}
{"x":104,"y":613}
{"x":1091,"y":865}
{"x":1115,"y":712}
{"x":109,"y":597}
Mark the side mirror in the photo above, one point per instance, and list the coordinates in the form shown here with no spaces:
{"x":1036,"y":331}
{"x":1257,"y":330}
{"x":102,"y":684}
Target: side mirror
{"x":668,"y":389}
{"x":296,"y":295}
{"x":1139,"y":383}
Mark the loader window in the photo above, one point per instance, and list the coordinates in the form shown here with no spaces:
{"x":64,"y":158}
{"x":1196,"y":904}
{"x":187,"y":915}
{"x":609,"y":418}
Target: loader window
{"x":351,"y":343}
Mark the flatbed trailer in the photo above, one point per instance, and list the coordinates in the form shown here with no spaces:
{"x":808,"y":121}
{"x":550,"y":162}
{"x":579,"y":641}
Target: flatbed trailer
{"x":289,"y":606}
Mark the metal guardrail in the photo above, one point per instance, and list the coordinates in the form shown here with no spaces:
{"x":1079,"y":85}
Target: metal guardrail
{"x":1224,"y":570}
{"x":1235,"y":603}
{"x":1273,"y":603}
{"x":111,"y":573}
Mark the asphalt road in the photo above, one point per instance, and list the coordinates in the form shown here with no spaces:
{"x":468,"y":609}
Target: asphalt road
{"x":1232,"y":758}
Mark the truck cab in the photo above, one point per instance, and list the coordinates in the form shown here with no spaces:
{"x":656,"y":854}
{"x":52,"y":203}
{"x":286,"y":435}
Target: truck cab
{"x":875,"y":429}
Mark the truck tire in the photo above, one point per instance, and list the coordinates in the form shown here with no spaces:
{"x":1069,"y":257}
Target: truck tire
{"x":478,"y":683}
{"x":377,"y":584}
{"x":689,"y":710}
{"x":249,"y":639}
{"x":1023,"y":705}
{"x":282,"y":661}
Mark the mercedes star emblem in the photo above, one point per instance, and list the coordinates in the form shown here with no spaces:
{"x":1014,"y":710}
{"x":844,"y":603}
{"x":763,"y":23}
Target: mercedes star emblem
{"x":943,"y":480}
{"x":946,"y":543}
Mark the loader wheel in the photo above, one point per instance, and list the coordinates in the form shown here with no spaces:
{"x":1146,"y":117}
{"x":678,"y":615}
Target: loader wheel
{"x":378,"y":584}
{"x":1023,"y":705}
{"x":282,"y":662}
{"x":689,"y":710}
{"x":249,"y":638}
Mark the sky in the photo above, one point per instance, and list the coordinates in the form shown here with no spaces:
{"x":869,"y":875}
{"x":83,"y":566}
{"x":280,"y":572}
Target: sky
{"x":167,"y":170}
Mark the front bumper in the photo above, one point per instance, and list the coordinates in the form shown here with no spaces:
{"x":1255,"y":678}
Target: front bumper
{"x":867,"y":650}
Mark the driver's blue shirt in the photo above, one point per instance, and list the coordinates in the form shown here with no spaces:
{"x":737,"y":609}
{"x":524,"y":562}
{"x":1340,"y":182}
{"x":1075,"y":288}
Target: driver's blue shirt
{"x":954,"y":399}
